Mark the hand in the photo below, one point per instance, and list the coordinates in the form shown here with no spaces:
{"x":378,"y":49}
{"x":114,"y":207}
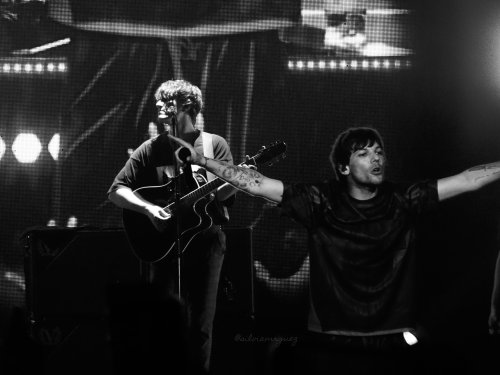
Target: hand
{"x":158,"y":216}
{"x":193,"y":158}
{"x":494,"y":323}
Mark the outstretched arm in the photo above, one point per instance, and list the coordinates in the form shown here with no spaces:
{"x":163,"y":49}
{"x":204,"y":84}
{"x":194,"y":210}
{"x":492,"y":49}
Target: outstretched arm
{"x":470,"y":180}
{"x":245,"y":179}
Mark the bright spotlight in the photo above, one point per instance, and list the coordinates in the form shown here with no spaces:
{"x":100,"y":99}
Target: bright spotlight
{"x":26,"y":148}
{"x":2,"y":148}
{"x":410,"y":338}
{"x":54,"y":146}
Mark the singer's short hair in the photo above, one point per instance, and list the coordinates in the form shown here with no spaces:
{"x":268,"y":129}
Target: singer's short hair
{"x":349,"y":141}
{"x":187,"y":95}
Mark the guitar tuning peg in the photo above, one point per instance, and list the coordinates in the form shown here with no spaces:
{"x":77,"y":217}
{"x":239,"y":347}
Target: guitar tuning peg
{"x":263,"y":147}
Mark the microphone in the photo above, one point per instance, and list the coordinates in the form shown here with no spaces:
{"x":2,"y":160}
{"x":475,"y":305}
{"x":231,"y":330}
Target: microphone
{"x":172,"y":110}
{"x":170,"y":113}
{"x":183,"y":154}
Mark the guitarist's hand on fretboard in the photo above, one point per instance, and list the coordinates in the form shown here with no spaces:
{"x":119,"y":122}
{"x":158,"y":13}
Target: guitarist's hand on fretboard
{"x":158,"y":217}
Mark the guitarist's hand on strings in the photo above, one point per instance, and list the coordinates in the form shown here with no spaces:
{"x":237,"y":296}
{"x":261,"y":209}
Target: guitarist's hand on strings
{"x":158,"y":216}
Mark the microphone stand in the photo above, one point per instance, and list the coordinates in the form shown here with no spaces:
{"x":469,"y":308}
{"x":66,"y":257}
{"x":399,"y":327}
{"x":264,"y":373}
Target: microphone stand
{"x":177,"y":195}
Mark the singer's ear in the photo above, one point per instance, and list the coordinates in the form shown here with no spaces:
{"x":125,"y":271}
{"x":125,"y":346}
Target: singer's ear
{"x":344,"y":170}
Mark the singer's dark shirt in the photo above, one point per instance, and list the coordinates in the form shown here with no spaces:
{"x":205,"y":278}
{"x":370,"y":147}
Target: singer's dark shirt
{"x":362,"y":254}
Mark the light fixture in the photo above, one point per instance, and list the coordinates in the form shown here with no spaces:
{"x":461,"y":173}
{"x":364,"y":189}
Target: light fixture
{"x":2,"y":148}
{"x":54,"y":146}
{"x":26,"y":148}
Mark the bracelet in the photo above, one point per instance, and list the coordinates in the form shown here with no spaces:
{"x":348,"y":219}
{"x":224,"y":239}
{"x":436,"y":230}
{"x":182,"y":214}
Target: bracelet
{"x":206,"y":161}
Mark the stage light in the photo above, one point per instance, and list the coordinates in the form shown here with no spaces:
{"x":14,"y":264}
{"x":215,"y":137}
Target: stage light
{"x":34,"y":66}
{"x":2,"y":148}
{"x":72,"y":222}
{"x":54,"y":146}
{"x":343,"y":65}
{"x":26,"y":148}
{"x":410,"y":338}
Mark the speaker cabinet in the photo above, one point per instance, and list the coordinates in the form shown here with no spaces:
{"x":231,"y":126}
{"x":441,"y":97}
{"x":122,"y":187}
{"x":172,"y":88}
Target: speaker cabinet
{"x":68,"y":273}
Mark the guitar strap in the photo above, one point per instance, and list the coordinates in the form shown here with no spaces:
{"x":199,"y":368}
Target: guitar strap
{"x":208,"y":151}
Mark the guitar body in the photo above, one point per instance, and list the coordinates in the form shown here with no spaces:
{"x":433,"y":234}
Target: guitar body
{"x":151,"y":245}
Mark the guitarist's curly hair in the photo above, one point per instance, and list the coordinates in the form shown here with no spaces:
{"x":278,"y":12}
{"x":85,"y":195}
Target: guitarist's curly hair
{"x":187,"y":95}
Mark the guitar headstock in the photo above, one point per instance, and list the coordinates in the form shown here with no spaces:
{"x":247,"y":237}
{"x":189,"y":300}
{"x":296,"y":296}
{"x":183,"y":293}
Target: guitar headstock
{"x":268,"y":155}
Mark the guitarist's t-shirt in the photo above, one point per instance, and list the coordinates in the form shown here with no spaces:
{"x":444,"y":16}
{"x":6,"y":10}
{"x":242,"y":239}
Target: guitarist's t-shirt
{"x":362,"y":254}
{"x":152,"y":164}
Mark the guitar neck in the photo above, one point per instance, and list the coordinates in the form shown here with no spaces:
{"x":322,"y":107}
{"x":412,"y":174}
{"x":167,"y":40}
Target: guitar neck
{"x":206,"y":189}
{"x":202,"y":191}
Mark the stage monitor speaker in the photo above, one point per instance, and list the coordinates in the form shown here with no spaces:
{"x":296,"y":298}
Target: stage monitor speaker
{"x":69,"y":273}
{"x":69,"y":270}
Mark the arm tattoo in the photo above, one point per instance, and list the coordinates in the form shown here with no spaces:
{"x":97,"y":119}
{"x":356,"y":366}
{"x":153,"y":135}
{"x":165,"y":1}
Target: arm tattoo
{"x":486,"y":167}
{"x":489,"y":170}
{"x":240,"y":177}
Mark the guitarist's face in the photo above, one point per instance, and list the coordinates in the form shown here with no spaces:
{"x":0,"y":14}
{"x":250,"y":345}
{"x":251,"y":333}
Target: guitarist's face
{"x":166,"y":110}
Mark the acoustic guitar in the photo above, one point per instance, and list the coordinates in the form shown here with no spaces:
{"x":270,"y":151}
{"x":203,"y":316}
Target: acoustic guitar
{"x":151,"y":244}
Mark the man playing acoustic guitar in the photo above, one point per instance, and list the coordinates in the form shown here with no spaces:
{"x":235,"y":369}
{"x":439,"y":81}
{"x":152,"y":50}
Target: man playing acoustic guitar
{"x":153,"y":163}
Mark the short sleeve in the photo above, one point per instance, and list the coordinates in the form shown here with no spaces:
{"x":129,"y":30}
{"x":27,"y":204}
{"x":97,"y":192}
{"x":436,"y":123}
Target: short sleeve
{"x":302,"y":203}
{"x":221,"y":149}
{"x":422,"y":196}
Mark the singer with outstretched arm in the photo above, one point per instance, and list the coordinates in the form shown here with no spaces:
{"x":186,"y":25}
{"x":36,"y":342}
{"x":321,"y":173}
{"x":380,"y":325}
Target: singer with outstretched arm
{"x":362,"y":246}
